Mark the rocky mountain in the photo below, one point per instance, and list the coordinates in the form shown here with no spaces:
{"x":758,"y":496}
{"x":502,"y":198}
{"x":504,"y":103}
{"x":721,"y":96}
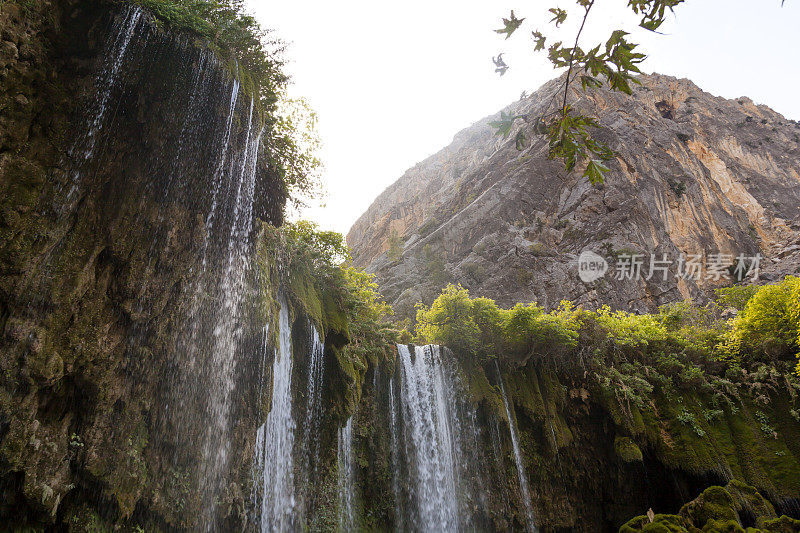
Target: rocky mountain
{"x":694,"y":174}
{"x":174,"y":358}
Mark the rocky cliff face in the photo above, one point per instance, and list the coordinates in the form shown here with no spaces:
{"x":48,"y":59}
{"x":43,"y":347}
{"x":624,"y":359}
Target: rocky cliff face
{"x":130,"y":184}
{"x":164,"y":367}
{"x":694,"y":174}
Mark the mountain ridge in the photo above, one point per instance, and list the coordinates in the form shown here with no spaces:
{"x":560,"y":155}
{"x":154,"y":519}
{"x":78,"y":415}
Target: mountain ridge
{"x":694,"y":173}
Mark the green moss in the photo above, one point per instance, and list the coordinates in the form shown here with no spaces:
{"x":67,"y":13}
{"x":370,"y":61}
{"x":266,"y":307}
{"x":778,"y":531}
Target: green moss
{"x":717,"y":510}
{"x":723,"y":526}
{"x":715,"y":503}
{"x":661,"y":524}
{"x":784,"y":524}
{"x":748,"y":498}
{"x":627,"y":450}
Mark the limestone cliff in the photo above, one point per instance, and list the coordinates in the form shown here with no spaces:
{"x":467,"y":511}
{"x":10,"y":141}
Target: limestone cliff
{"x":130,"y":180}
{"x":172,"y":361}
{"x":694,"y":174}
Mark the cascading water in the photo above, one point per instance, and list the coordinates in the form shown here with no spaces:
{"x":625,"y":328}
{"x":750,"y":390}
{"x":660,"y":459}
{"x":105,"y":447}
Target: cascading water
{"x":396,"y":456}
{"x":228,"y":328}
{"x":274,"y":462}
{"x":525,"y":492}
{"x":123,"y":32}
{"x":281,"y":473}
{"x":347,"y":519}
{"x":205,"y":168}
{"x":426,"y":396}
{"x":313,"y":402}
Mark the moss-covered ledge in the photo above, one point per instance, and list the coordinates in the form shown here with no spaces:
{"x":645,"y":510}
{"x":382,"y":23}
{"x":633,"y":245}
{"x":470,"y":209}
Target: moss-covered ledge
{"x":735,"y":508}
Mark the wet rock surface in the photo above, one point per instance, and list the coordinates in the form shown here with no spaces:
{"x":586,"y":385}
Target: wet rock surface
{"x":111,"y":131}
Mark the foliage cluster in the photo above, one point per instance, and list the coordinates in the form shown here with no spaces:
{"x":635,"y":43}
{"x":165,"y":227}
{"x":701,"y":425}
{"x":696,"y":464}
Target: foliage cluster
{"x":613,"y":63}
{"x":682,"y":343}
{"x":479,"y":327}
{"x":306,"y":254}
{"x":256,"y":59}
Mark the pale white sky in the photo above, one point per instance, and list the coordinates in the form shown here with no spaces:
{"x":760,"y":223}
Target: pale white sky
{"x":393,"y":82}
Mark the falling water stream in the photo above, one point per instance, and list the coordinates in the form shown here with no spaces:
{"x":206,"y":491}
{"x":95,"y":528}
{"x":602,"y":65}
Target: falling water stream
{"x":274,"y":462}
{"x":313,"y":418}
{"x":347,"y":519}
{"x":425,"y":398}
{"x":525,"y":491}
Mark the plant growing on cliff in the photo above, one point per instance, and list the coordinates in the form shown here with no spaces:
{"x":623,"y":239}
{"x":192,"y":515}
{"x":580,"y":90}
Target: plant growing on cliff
{"x":683,"y":343}
{"x":767,"y":327}
{"x":479,"y":327}
{"x":316,"y":270}
{"x":256,"y":58}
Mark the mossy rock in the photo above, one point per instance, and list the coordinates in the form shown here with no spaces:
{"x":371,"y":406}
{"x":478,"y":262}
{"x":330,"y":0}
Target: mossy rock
{"x":747,"y":498}
{"x":716,"y":510}
{"x":627,"y":450}
{"x":662,"y":523}
{"x":715,"y":503}
{"x":723,"y":526}
{"x":784,"y":524}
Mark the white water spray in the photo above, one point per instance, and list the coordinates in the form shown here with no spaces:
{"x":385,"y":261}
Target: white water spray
{"x":274,"y":464}
{"x":425,"y":395}
{"x":525,"y":491}
{"x":347,"y":521}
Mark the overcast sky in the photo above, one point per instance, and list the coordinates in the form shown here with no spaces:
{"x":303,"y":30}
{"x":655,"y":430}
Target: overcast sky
{"x":393,"y":82}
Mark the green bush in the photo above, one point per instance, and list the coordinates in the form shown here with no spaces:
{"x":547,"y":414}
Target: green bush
{"x":682,"y":342}
{"x":479,"y":327}
{"x":307,"y":255}
{"x":736,"y":296}
{"x":767,"y":328}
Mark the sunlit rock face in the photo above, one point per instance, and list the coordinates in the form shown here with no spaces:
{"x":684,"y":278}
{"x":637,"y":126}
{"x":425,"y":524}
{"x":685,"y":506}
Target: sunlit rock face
{"x":694,"y":174}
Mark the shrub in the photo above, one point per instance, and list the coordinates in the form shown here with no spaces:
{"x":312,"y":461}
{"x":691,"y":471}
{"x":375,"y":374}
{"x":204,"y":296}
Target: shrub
{"x":767,"y":328}
{"x":628,"y":329}
{"x":450,"y":321}
{"x":736,"y":296}
{"x":479,"y":327}
{"x":303,"y":252}
{"x":476,"y":271}
{"x":395,"y":246}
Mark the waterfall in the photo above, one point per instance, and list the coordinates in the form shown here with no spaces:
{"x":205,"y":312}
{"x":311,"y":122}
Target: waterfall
{"x":189,"y":188}
{"x":274,"y":463}
{"x":347,"y":519}
{"x":227,"y":328}
{"x":120,"y":38}
{"x":525,"y":492}
{"x":395,"y":456}
{"x":426,"y":396}
{"x":313,"y":402}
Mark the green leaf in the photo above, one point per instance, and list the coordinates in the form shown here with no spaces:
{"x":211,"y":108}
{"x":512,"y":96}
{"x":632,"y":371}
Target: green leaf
{"x":589,"y":81}
{"x":596,"y":172}
{"x":559,"y":15}
{"x":651,"y":25}
{"x":510,"y":25}
{"x":540,"y":40}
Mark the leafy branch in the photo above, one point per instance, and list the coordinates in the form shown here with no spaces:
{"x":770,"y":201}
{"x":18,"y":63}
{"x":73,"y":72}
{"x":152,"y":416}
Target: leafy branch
{"x":613,"y":63}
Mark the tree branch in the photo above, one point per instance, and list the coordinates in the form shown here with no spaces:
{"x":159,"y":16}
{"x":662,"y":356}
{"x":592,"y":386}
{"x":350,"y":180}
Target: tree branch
{"x":572,"y":55}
